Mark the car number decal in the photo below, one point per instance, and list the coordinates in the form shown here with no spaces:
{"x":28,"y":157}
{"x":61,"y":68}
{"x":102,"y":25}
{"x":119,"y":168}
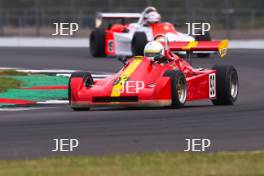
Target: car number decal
{"x":110,"y":45}
{"x":212,"y":85}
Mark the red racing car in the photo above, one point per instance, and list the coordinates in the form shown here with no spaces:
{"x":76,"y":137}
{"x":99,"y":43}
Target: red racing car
{"x":160,"y":78}
{"x":117,"y":37}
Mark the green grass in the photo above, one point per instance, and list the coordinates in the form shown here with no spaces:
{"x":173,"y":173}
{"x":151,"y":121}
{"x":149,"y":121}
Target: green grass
{"x":12,"y":73}
{"x":149,"y":164}
{"x":9,"y":83}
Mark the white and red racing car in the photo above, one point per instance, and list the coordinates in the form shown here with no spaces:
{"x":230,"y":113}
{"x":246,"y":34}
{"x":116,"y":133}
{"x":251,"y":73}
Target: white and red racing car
{"x":127,"y":39}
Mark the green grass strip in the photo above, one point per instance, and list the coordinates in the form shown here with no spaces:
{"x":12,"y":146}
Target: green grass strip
{"x":9,"y":83}
{"x":12,"y":72}
{"x":149,"y":164}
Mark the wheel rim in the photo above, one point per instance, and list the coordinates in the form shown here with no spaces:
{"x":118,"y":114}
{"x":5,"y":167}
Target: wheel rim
{"x":233,"y":85}
{"x":181,"y":90}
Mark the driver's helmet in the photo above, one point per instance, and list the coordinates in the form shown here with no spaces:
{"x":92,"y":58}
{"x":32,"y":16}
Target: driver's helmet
{"x":154,"y":50}
{"x":152,"y":17}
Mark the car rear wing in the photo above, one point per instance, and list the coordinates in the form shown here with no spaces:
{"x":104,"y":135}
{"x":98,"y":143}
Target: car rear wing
{"x":110,"y":16}
{"x":204,"y":46}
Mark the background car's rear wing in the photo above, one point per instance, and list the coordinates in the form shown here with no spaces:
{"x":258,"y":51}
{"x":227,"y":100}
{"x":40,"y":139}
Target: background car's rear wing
{"x":220,"y":46}
{"x":110,"y":16}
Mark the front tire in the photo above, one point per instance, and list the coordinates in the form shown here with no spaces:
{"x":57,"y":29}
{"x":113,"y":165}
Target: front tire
{"x":138,"y":43}
{"x":227,"y":85}
{"x":178,"y":88}
{"x":97,"y":42}
{"x":87,"y":80}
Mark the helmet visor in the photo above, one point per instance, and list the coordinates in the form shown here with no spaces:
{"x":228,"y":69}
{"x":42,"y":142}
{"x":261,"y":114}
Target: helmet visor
{"x":152,"y":54}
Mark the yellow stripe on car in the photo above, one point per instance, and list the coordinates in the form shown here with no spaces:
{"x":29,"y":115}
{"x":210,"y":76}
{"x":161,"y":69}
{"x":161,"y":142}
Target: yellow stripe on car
{"x":117,"y":88}
{"x":190,"y":45}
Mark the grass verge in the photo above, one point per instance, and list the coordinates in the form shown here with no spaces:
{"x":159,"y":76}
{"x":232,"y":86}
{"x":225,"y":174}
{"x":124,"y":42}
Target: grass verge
{"x":148,"y":164}
{"x":9,"y":83}
{"x":12,"y":73}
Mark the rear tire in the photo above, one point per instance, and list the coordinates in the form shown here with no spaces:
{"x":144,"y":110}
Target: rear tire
{"x":227,"y":85}
{"x":138,"y":43}
{"x":87,"y":80}
{"x":205,"y":37}
{"x":178,"y":88}
{"x":97,"y":42}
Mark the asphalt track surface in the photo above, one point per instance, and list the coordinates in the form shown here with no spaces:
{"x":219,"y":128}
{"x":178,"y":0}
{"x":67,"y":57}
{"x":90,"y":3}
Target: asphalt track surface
{"x":28,"y":134}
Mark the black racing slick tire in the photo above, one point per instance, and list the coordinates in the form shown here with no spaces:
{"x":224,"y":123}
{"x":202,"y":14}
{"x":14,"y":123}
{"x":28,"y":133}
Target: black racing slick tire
{"x":138,"y":43}
{"x":203,"y":37}
{"x":97,"y":42}
{"x":87,"y":81}
{"x":227,"y":85}
{"x":178,"y":88}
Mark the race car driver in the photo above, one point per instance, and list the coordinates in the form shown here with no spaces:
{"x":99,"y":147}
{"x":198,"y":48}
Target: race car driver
{"x":155,"y":51}
{"x":151,"y":17}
